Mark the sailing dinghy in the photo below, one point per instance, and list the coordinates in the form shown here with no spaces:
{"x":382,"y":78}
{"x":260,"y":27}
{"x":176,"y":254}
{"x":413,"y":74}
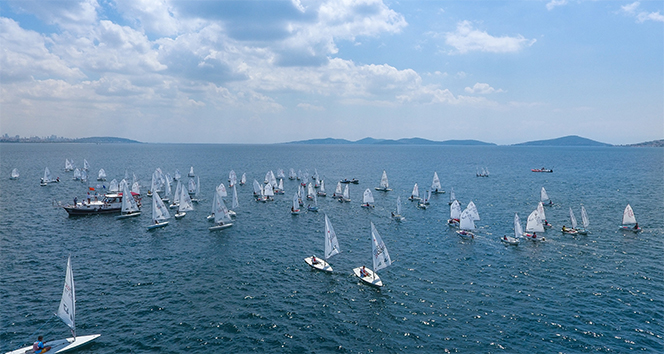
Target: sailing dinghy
{"x":367,"y":199}
{"x":47,"y":178}
{"x":338,"y":193}
{"x":415,"y":195}
{"x":534,"y":225}
{"x":191,"y":172}
{"x":381,"y":259}
{"x":436,"y":188}
{"x":243,"y":179}
{"x":184,"y":205}
{"x":315,"y":206}
{"x":101,"y":176}
{"x":452,"y":197}
{"x":159,"y":213}
{"x":584,"y":221}
{"x":66,"y":313}
{"x":14,"y":174}
{"x":572,"y":218}
{"x":455,"y":214}
{"x":129,"y":205}
{"x":542,"y":215}
{"x":544,"y":198}
{"x":331,"y":248}
{"x":321,"y":189}
{"x":222,"y":218}
{"x":295,"y":207}
{"x":397,"y":216}
{"x":629,"y":221}
{"x":345,"y":198}
{"x":384,"y":184}
{"x":466,"y":224}
{"x":518,"y":233}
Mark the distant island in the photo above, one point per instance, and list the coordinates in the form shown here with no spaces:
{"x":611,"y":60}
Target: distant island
{"x":654,"y":143}
{"x":570,"y":140}
{"x":405,"y":141}
{"x":57,"y":139}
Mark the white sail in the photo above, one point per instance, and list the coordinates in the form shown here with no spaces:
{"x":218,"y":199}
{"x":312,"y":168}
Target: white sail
{"x":584,"y":218}
{"x":331,"y":242}
{"x":272,"y":180}
{"x":280,"y":173}
{"x":232,"y":178}
{"x":296,"y":202}
{"x":101,"y":175}
{"x":572,"y":218}
{"x":47,"y":175}
{"x":235,"y":204}
{"x":416,"y":191}
{"x":466,"y":220}
{"x":84,"y":176}
{"x":435,"y":184}
{"x":67,"y":308}
{"x":346,"y":193}
{"x":221,"y":213}
{"x":540,"y":211}
{"x":338,"y":190}
{"x":154,"y":185}
{"x":518,"y":230}
{"x":159,"y":210}
{"x":221,"y":189}
{"x":178,"y":192}
{"x":544,"y":198}
{"x":185,"y":201}
{"x":281,"y":185}
{"x":177,"y":175}
{"x":113,"y":186}
{"x":473,"y":211}
{"x":191,"y":172}
{"x":122,"y":185}
{"x":191,"y":186}
{"x":534,"y":223}
{"x":322,"y":186}
{"x":243,"y":179}
{"x":69,"y":165}
{"x":367,"y":198}
{"x":455,"y":210}
{"x":310,"y":190}
{"x":167,"y":188}
{"x":214,"y":202}
{"x":383,"y":181}
{"x":198,"y":187}
{"x":628,"y":216}
{"x":452,"y":196}
{"x":291,"y":174}
{"x":77,"y":174}
{"x":86,"y":165}
{"x":258,"y":190}
{"x":15,"y":175}
{"x":399,"y":205}
{"x":381,"y":258}
{"x":268,"y":191}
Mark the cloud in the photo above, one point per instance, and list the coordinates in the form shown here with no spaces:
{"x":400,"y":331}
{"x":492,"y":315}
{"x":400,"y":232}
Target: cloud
{"x":641,"y":16}
{"x":482,"y":89}
{"x":466,"y":39}
{"x":553,"y":3}
{"x":310,"y":107}
{"x":74,"y":16}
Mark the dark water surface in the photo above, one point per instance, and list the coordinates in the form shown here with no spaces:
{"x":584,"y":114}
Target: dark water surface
{"x":247,"y":289}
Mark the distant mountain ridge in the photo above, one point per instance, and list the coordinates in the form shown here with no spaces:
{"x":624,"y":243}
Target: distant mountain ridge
{"x":404,"y":141}
{"x":570,"y":140}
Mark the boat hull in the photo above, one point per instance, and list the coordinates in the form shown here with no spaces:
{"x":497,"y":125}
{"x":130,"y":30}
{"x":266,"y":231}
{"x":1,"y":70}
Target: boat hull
{"x":220,"y":227}
{"x":511,"y":241}
{"x":62,"y":345}
{"x":319,"y":265}
{"x":465,"y":234}
{"x":159,"y":225}
{"x":630,"y":229}
{"x":372,"y":278}
{"x":72,"y":211}
{"x":126,"y":216}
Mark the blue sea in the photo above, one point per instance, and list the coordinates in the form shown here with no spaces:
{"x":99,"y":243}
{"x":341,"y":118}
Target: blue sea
{"x":247,"y":288}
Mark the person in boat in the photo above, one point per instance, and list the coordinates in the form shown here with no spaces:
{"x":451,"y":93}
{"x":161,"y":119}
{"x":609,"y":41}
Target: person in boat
{"x":75,"y":202}
{"x":38,"y":346}
{"x":636,"y":227}
{"x":314,"y":260}
{"x":363,"y":272}
{"x":534,"y":234}
{"x":505,"y":237}
{"x":564,"y":228}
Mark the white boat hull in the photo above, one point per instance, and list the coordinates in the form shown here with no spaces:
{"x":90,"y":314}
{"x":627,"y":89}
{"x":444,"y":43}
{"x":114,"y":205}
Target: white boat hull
{"x":220,"y":227}
{"x":126,"y":216}
{"x":630,"y":229}
{"x":319,"y":265}
{"x":383,"y":189}
{"x":372,"y":278}
{"x":156,"y":226}
{"x":465,"y":234}
{"x":512,"y":241}
{"x":534,"y":239}
{"x":60,"y":346}
{"x":181,"y":215}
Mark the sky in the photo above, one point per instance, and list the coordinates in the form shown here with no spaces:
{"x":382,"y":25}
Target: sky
{"x":252,"y":71}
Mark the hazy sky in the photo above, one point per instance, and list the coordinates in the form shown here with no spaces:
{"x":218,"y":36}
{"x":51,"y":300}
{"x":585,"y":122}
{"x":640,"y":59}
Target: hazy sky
{"x":274,"y":71}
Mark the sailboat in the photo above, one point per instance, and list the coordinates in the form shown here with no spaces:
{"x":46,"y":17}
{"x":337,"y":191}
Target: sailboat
{"x":191,"y":172}
{"x":184,"y":205}
{"x":280,"y":188}
{"x":84,"y":176}
{"x":214,"y":205}
{"x":518,"y":233}
{"x":466,"y":224}
{"x":544,"y":198}
{"x":232,"y":179}
{"x":47,"y":178}
{"x":77,"y":175}
{"x":321,"y":189}
{"x":235,"y":204}
{"x":268,"y":192}
{"x":436,"y":188}
{"x":415,"y":195}
{"x":542,"y":214}
{"x":310,"y":191}
{"x":243,"y":179}
{"x":177,"y":175}
{"x":101,"y":176}
{"x":338,"y":193}
{"x":291,"y":174}
{"x":66,"y":313}
{"x":628,"y":220}
{"x":14,"y":174}
{"x":384,"y":184}
{"x":197,"y":191}
{"x":315,"y":206}
{"x":331,"y":249}
{"x":345,"y":198}
{"x":129,"y":205}
{"x":295,"y":207}
{"x":367,"y":199}
{"x":69,"y":165}
{"x":452,"y":197}
{"x":280,"y":173}
{"x":381,"y":259}
{"x":572,"y":218}
{"x":86,"y":165}
{"x":534,"y":225}
{"x":258,"y":192}
{"x":222,"y":219}
{"x":397,"y":216}
{"x":473,"y":211}
{"x":424,"y":203}
{"x":584,"y":221}
{"x":159,"y":213}
{"x":455,"y":214}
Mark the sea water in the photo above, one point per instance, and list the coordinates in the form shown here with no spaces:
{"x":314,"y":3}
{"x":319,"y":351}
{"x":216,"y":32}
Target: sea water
{"x":247,"y":288}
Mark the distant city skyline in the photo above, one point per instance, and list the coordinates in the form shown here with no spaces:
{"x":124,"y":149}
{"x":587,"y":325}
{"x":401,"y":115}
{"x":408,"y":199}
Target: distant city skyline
{"x":176,"y":71}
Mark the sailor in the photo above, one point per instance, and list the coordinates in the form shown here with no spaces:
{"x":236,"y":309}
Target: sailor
{"x":363,"y":272}
{"x":38,"y":346}
{"x":314,"y":260}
